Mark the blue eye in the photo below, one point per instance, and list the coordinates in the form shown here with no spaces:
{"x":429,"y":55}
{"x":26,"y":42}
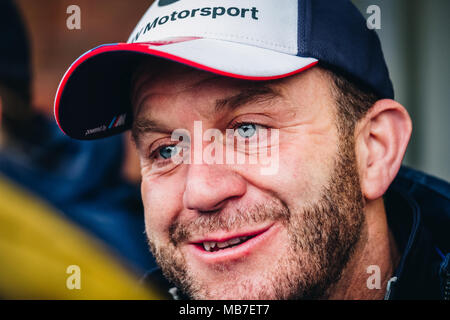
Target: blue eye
{"x":168,"y":152}
{"x":247,"y":130}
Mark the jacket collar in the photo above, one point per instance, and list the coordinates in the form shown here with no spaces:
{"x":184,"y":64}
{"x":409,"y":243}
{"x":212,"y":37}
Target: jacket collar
{"x":416,"y":276}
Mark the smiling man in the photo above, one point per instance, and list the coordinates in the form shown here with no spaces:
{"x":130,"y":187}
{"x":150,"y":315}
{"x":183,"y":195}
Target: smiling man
{"x":230,"y":232}
{"x":306,"y":86}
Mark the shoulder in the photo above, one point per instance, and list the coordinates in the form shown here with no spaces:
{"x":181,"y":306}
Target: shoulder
{"x":431,"y":196}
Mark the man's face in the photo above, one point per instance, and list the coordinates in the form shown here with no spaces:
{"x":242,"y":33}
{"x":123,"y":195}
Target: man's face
{"x":278,"y":236}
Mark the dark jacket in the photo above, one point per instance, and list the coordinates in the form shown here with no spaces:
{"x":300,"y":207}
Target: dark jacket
{"x":418,"y":212}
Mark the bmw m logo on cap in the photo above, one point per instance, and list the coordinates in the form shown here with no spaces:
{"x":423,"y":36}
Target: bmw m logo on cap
{"x":163,"y":3}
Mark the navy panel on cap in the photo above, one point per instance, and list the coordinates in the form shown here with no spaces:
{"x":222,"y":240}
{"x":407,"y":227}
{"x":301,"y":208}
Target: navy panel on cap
{"x":335,"y":32}
{"x":108,"y":74}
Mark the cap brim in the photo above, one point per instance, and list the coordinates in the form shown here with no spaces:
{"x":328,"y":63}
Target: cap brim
{"x":93,"y":98}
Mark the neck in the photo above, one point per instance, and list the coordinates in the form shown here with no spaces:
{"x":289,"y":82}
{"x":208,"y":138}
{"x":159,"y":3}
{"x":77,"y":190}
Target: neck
{"x":373,"y":261}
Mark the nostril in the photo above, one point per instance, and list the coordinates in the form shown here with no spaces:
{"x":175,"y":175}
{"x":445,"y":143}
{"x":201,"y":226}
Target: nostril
{"x":217,"y":207}
{"x":208,"y":211}
{"x":214,"y":209}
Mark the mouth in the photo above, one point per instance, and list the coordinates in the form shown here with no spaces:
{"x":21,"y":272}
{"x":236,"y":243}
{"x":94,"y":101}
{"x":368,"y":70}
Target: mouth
{"x":225,"y":247}
{"x":213,"y":246}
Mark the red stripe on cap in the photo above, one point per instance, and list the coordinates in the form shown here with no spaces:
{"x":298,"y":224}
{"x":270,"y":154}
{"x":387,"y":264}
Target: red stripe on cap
{"x":171,"y":40}
{"x":146,"y":49}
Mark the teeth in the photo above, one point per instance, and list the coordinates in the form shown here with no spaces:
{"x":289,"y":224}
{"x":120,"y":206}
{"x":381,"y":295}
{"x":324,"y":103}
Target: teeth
{"x":210,"y":245}
{"x":234,"y":241}
{"x":222,"y":245}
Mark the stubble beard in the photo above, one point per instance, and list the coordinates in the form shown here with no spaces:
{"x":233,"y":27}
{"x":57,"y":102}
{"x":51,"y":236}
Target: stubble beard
{"x":322,"y":237}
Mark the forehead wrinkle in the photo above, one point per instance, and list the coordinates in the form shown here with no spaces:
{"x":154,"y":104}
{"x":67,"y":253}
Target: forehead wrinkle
{"x":255,"y":94}
{"x":146,"y":125}
{"x":144,"y":85}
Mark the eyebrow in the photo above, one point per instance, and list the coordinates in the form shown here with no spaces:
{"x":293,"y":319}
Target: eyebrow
{"x":259,"y":94}
{"x":142,"y":126}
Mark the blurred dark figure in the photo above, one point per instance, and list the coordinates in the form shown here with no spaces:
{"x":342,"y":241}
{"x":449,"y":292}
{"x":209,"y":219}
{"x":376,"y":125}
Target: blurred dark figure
{"x":62,"y":202}
{"x":15,"y":73}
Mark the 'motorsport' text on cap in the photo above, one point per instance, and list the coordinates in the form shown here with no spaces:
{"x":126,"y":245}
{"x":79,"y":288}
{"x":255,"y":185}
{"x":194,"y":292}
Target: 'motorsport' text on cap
{"x":245,"y":39}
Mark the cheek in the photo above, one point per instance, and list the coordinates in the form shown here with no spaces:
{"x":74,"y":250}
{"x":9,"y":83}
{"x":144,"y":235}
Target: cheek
{"x":311,"y":161}
{"x":304,"y":167}
{"x":162,"y":201}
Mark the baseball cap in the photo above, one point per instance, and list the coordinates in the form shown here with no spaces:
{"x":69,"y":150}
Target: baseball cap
{"x":244,"y":39}
{"x":14,"y":49}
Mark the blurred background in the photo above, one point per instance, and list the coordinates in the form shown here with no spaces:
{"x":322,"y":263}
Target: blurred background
{"x":54,"y":47}
{"x":101,"y":222}
{"x":71,"y":215}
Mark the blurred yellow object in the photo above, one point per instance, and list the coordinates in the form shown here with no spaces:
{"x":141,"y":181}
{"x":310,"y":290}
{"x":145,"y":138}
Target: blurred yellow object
{"x":38,"y":246}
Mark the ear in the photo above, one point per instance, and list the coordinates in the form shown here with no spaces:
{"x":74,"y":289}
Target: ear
{"x":381,"y":138}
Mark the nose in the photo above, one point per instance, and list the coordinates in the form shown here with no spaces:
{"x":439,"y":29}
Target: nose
{"x":210,"y":187}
